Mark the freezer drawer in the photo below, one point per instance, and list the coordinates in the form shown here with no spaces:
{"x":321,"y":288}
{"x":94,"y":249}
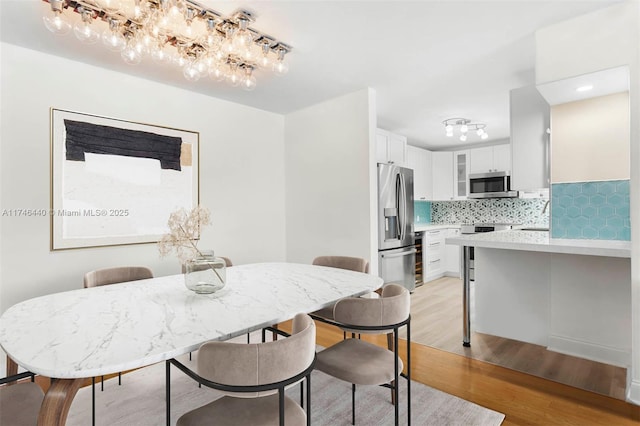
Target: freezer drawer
{"x":398,"y":266}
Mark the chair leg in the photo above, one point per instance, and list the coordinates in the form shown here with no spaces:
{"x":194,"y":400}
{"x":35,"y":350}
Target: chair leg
{"x":353,"y":404}
{"x":274,"y":334}
{"x":396,"y":375}
{"x":281,"y":405}
{"x":102,"y":384}
{"x":309,"y":399}
{"x":93,"y":401}
{"x":302,"y":394}
{"x":248,"y":338}
{"x":390,"y":347}
{"x":168,"y":391}
{"x":119,"y":379}
{"x":409,"y":372}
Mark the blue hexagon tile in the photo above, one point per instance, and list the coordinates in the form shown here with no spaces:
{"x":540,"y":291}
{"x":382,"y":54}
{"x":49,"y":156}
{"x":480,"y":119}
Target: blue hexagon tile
{"x":591,"y":210}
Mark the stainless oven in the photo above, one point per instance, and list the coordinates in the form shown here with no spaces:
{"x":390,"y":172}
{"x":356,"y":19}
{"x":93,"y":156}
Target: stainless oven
{"x":491,"y":185}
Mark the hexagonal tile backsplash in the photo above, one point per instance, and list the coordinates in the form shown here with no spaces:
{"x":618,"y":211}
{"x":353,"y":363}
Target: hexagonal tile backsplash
{"x":591,"y":210}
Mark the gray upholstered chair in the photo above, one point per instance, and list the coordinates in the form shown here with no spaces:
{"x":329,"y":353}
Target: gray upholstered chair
{"x":362,"y":363}
{"x":109,"y":276}
{"x":116,"y":275}
{"x":357,"y":264}
{"x":19,"y":402}
{"x":253,"y":378}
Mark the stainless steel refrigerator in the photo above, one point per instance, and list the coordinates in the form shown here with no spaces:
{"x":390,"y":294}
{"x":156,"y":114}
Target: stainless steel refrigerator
{"x":396,"y":250}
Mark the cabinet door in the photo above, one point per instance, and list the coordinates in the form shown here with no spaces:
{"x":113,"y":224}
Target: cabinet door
{"x":419,"y":160}
{"x":502,"y":158}
{"x":452,"y":255}
{"x":397,"y":149}
{"x":461,"y":174}
{"x":381,"y":147}
{"x":481,"y":160}
{"x":442,"y":173}
{"x":529,"y":114}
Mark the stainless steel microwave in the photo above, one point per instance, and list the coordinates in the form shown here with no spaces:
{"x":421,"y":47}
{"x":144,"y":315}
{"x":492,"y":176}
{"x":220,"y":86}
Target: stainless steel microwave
{"x":491,"y":185}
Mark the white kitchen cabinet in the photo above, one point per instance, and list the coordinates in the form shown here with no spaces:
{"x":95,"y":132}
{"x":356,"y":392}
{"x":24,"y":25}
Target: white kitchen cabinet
{"x":433,"y":254}
{"x":452,"y":255}
{"x":529,"y":115}
{"x":419,"y":160}
{"x":490,"y":159}
{"x":442,"y":173}
{"x":391,"y":148}
{"x":461,"y":174}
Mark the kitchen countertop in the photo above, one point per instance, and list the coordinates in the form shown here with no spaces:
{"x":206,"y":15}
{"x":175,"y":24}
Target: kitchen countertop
{"x":421,"y":227}
{"x":540,"y":241}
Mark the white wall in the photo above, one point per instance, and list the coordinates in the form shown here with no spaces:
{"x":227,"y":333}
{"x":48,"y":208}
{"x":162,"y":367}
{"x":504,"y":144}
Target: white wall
{"x":605,"y":39}
{"x":241,"y":169}
{"x":329,"y":162}
{"x":591,"y":139}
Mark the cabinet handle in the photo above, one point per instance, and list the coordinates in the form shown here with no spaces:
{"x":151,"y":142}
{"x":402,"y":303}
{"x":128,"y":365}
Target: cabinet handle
{"x":434,"y":261}
{"x":423,"y":198}
{"x":434,"y":244}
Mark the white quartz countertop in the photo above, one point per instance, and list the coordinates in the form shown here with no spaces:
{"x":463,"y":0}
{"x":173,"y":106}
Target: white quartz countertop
{"x":95,"y":331}
{"x":540,"y":241}
{"x":419,"y":227}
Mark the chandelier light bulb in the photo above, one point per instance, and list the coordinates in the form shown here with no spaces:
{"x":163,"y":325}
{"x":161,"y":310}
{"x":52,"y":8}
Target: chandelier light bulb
{"x":234,"y":77}
{"x":448,"y":128}
{"x":85,"y":33}
{"x":217,"y":73}
{"x":190,"y":71}
{"x":480,"y":132}
{"x":484,"y":136}
{"x":450,"y":134}
{"x":464,"y":128}
{"x":112,"y":38}
{"x":463,"y":137}
{"x":249,"y":81}
{"x":159,"y":55}
{"x":280,"y":67}
{"x":243,"y":39}
{"x":54,"y":21}
{"x":264,"y":61}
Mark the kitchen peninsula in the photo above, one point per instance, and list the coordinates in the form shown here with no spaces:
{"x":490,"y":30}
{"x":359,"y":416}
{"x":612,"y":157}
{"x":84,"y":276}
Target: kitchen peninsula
{"x":571,"y":296}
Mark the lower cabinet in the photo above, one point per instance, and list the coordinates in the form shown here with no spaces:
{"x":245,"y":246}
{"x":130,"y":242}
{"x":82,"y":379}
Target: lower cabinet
{"x":433,"y":254}
{"x":439,"y":259}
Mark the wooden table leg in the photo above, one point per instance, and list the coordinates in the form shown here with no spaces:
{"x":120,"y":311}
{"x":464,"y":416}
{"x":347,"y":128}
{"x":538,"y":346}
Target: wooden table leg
{"x":57,"y":401}
{"x":12,"y":367}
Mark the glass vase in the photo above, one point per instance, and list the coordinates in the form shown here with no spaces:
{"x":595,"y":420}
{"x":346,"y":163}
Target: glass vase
{"x":205,"y":274}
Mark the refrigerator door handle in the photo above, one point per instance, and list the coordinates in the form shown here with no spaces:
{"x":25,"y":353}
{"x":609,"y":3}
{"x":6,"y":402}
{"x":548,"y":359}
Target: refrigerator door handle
{"x":403,"y":232}
{"x":404,"y":253}
{"x":399,"y":206}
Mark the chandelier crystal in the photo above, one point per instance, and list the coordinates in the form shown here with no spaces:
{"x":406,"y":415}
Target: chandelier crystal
{"x":464,"y":126}
{"x":192,"y":37}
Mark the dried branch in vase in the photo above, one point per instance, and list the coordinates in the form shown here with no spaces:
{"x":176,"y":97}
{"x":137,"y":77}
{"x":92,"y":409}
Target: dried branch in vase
{"x":184,"y":233}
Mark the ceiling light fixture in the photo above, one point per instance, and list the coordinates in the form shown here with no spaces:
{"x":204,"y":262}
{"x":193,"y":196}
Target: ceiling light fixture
{"x":465,"y":126}
{"x":199,"y":40}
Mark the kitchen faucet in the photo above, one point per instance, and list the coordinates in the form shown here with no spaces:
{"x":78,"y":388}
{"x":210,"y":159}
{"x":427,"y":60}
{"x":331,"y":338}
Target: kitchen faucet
{"x":544,"y":209}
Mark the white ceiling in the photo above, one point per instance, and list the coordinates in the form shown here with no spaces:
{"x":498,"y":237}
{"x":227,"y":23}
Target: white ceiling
{"x":426,"y":60}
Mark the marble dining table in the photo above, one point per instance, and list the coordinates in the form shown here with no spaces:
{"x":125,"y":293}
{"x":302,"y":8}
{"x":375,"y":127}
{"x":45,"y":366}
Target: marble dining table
{"x":79,"y":334}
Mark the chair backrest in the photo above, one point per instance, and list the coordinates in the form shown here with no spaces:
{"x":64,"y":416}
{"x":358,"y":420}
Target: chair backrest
{"x":19,"y":403}
{"x":259,"y":363}
{"x":357,"y":264}
{"x":392,"y":308}
{"x":116,"y":275}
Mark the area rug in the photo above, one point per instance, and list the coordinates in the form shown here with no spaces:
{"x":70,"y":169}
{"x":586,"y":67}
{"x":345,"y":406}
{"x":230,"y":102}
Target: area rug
{"x":140,"y":401}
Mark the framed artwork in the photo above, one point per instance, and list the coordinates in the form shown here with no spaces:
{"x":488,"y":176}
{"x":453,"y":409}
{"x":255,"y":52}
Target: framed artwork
{"x":116,"y":182}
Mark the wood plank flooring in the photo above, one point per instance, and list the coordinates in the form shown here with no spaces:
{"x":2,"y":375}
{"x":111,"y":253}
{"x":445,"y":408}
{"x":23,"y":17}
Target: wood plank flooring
{"x":523,"y":398}
{"x":436,"y":312}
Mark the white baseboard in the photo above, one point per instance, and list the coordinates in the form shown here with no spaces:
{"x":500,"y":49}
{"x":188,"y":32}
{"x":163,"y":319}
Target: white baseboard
{"x":633,"y":390}
{"x":452,"y":274}
{"x":588,"y":350}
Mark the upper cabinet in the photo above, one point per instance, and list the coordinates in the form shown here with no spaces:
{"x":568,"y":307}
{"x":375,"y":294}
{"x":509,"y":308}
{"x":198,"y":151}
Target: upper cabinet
{"x":490,"y":159}
{"x":442,"y":172}
{"x":419,"y":160}
{"x":529,"y":139}
{"x":461,"y":174}
{"x":391,"y":148}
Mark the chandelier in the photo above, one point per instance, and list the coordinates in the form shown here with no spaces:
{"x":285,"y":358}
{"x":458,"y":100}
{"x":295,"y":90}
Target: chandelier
{"x":464,"y":126}
{"x":198,"y":40}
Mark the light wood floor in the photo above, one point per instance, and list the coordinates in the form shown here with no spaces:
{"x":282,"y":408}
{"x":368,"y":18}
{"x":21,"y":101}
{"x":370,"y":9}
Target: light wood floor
{"x":436,"y":312}
{"x":523,"y":398}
